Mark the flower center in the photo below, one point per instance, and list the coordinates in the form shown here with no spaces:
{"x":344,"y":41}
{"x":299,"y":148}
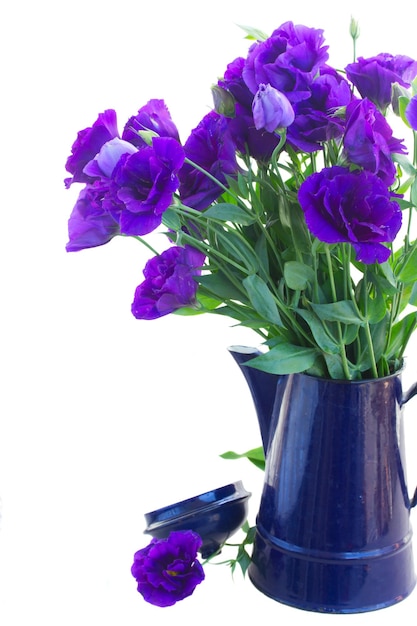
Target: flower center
{"x":171,"y":572}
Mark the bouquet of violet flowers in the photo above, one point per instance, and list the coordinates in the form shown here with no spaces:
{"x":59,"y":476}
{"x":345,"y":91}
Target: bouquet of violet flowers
{"x":288,"y":209}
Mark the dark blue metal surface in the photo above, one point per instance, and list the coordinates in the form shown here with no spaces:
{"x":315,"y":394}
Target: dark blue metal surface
{"x":333,"y":529}
{"x":215,"y":515}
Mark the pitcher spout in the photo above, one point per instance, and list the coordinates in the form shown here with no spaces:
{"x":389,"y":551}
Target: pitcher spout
{"x":266,"y":389}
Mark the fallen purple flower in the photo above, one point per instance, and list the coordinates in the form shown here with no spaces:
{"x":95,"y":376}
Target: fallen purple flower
{"x":168,"y":570}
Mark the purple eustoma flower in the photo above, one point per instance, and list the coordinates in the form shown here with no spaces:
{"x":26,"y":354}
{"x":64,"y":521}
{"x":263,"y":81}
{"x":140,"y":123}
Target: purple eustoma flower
{"x":143,"y":184}
{"x":368,"y":140}
{"x":137,"y":186}
{"x":259,"y":144}
{"x":374,"y":77}
{"x":211,"y":147}
{"x":288,"y":60}
{"x":168,"y":570}
{"x":169,"y":283}
{"x":89,"y":224}
{"x":354,"y":207}
{"x":88,"y":143}
{"x":317,"y":119}
{"x":154,"y":116}
{"x":271,"y":109}
{"x":411,"y":112}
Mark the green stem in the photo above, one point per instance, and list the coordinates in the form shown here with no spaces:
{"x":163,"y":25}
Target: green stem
{"x":277,"y":150}
{"x":313,"y":161}
{"x":265,"y":230}
{"x":145,"y":243}
{"x":346,"y":254}
{"x":198,"y":217}
{"x":342,"y":347}
{"x":368,"y":329}
{"x":211,"y":252}
{"x":315,"y":268}
{"x":364,"y":315}
{"x":371,"y":350}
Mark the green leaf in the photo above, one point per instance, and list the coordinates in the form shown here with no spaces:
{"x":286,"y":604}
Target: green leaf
{"x":246,"y":316}
{"x":261,"y":251}
{"x":255,"y":456}
{"x":363,"y":358}
{"x":376,"y":307}
{"x":342,"y":311}
{"x":171,"y":220}
{"x":297,"y":275}
{"x":335,"y":366}
{"x":405,"y":163}
{"x":407,"y":271}
{"x":253,"y":33}
{"x":233,"y":245}
{"x":204,"y":304}
{"x":413,"y":193}
{"x":250,"y":536}
{"x":236,"y":188}
{"x":401,"y":332}
{"x":404,"y":204}
{"x":413,"y":295}
{"x":320,"y":332}
{"x":405,"y":293}
{"x":232,"y":184}
{"x":385,"y":280}
{"x":402,"y":105}
{"x":405,"y":185}
{"x":243,"y":186}
{"x":220,"y":286}
{"x":379,"y":334}
{"x":226,"y":212}
{"x":284,"y":358}
{"x":262,"y":299}
{"x":292,"y":225}
{"x":243,"y":560}
{"x":349,"y":333}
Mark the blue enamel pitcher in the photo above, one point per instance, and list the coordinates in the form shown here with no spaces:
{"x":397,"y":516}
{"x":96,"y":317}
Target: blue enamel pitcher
{"x":333,"y":531}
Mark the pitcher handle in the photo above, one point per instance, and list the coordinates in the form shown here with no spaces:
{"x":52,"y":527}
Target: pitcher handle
{"x":406,"y":397}
{"x":409,"y":394}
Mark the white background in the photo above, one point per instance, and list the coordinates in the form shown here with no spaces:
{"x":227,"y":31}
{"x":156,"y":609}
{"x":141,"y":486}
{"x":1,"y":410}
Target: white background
{"x":104,"y":417}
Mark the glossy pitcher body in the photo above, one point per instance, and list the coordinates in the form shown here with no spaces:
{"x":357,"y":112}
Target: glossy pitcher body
{"x":333,"y":528}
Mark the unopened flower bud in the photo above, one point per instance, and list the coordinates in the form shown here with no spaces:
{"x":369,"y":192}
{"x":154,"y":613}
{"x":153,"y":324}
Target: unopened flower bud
{"x":147,"y":136}
{"x":354,"y":29}
{"x":271,"y":109}
{"x":400,"y":97}
{"x":224,"y":102}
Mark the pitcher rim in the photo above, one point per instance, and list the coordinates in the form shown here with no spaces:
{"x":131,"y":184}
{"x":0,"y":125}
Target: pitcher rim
{"x":362,"y":381}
